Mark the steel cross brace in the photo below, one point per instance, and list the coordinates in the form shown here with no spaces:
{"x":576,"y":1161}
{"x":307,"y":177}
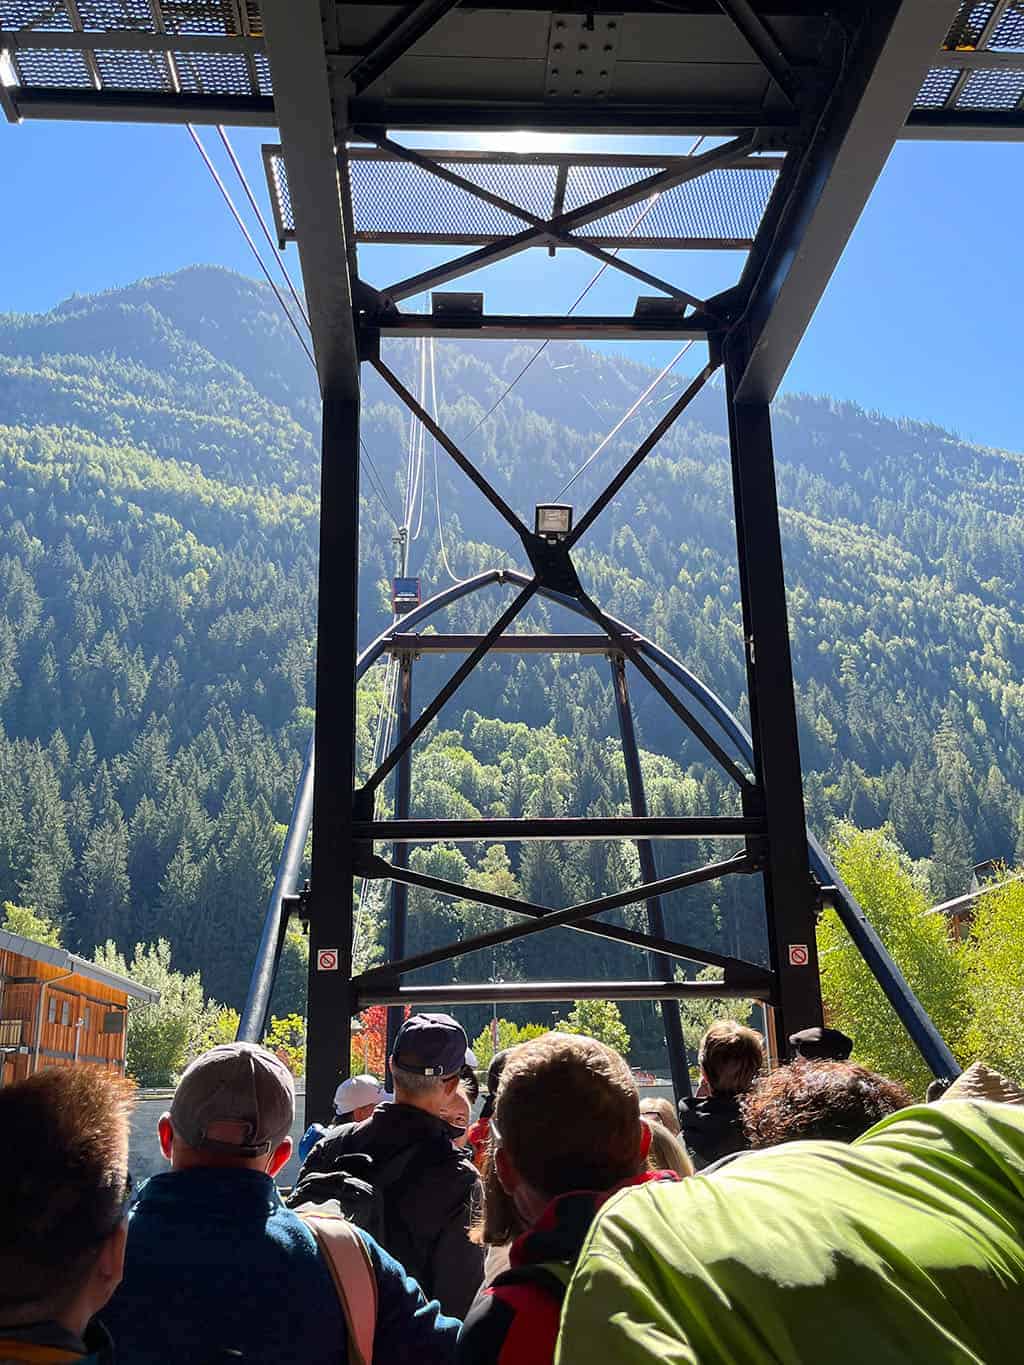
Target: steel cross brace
{"x":565,"y":223}
{"x":547,"y":226}
{"x":568,"y":918}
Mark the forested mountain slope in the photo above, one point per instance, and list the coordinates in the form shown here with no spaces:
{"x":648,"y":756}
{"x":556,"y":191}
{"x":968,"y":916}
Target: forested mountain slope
{"x":158,"y":533}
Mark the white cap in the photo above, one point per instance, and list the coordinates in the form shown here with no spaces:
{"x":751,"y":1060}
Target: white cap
{"x":357,"y":1091}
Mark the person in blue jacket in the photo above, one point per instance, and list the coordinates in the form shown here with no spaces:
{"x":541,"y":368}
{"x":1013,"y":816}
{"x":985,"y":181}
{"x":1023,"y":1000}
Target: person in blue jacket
{"x":217,"y":1268}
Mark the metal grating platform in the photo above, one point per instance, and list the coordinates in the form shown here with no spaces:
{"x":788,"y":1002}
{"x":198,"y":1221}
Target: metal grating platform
{"x":978,"y":84}
{"x":397,"y":203}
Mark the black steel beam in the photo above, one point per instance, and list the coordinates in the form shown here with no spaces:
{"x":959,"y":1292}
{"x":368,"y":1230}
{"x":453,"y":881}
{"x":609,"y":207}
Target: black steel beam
{"x":965,"y":125}
{"x":598,"y":928}
{"x":623,"y":641}
{"x":573,"y":914}
{"x":403,"y":796}
{"x":505,"y":644}
{"x":443,"y":439}
{"x":453,"y":684}
{"x":404,"y":34}
{"x":659,"y":966}
{"x":789,"y":892}
{"x":331,"y":1002}
{"x":523,"y":993}
{"x":125,"y":106}
{"x":512,"y":327}
{"x":765,"y":44}
{"x":302,"y":100}
{"x":884,"y":68}
{"x":560,"y":827}
{"x":604,"y":116}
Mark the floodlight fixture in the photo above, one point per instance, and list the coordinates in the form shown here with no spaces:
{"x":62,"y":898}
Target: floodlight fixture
{"x":552,"y":521}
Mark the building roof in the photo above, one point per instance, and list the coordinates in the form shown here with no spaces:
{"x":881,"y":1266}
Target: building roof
{"x":70,"y":962}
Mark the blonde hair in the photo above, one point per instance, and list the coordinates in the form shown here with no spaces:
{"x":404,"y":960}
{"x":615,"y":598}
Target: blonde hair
{"x":661,"y":1111}
{"x":730,"y":1057}
{"x":666,"y":1152}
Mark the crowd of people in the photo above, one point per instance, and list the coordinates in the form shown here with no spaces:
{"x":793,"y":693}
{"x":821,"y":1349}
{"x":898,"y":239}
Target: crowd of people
{"x":805,"y":1212}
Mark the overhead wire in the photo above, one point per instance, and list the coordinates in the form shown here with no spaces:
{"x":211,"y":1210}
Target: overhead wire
{"x":376,"y":482}
{"x":248,"y":237}
{"x":437,"y":488}
{"x":624,"y":418}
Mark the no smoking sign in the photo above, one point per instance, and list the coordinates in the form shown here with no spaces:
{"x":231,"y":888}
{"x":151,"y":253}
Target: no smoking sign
{"x":798,"y":955}
{"x":327,"y":959}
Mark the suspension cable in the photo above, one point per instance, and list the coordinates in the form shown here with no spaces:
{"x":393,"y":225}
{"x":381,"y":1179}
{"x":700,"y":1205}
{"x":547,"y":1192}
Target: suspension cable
{"x":624,"y":419}
{"x":437,"y":487}
{"x":263,"y":223}
{"x":248,"y":237}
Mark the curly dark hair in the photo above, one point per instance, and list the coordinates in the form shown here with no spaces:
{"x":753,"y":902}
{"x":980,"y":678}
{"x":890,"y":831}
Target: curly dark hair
{"x":812,"y":1099}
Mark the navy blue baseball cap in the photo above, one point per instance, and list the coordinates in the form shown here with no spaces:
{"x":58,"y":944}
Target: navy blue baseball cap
{"x":432,"y":1045}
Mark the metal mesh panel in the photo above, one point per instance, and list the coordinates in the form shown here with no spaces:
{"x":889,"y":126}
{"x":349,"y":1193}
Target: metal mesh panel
{"x":122,"y":70}
{"x":281,"y":196}
{"x":39,"y":67}
{"x":391,"y":197}
{"x":46,"y":15}
{"x":263,"y":73}
{"x":531,"y":187}
{"x":199,"y":16}
{"x":1009,"y":32}
{"x":724,"y":205}
{"x":105,"y":16}
{"x":937,"y":88}
{"x":254,"y":18}
{"x":585,"y":183}
{"x":969,"y":23}
{"x":209,"y":73}
{"x":992,"y":90}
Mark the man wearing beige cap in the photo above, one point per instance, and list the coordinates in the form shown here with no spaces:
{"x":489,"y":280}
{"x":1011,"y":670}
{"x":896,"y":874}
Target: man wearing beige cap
{"x":217,"y":1268}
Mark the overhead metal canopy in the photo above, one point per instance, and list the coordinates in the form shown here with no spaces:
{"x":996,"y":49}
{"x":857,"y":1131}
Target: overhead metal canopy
{"x":501,"y":65}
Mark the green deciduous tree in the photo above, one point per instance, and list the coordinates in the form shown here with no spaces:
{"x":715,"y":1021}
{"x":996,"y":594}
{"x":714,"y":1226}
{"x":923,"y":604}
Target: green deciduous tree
{"x":994,"y":955}
{"x":883,"y":880}
{"x":600,"y":1019}
{"x":21,"y":919}
{"x":165,"y":1036}
{"x":509,"y":1034}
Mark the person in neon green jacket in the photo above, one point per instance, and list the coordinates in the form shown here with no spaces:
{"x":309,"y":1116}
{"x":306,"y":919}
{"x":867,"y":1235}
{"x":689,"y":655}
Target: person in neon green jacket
{"x":906,"y":1246}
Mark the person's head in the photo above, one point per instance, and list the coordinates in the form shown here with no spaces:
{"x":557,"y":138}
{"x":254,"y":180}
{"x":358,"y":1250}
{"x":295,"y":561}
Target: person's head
{"x":469,"y":1084}
{"x":456,"y":1114}
{"x":833,"y":1100}
{"x":233,"y":1108}
{"x":356,"y":1098}
{"x":666,"y":1152}
{"x":730,"y":1057}
{"x":64,"y":1195}
{"x":494,"y":1071}
{"x":430,"y":1051}
{"x":661,"y":1111}
{"x":821,"y":1044}
{"x":567,"y":1117}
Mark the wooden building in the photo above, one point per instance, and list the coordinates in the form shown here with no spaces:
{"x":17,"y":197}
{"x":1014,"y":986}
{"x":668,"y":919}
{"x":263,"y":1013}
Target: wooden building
{"x":57,"y":1009}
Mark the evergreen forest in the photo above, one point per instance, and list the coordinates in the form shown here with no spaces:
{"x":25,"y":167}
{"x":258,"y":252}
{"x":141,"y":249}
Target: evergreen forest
{"x":159,"y":455}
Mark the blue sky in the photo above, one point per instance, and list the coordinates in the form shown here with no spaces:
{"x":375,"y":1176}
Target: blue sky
{"x":921,"y":318}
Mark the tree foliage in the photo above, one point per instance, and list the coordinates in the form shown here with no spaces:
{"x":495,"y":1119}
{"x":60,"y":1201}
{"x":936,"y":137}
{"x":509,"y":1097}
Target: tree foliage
{"x":21,"y":919}
{"x":891,"y":891}
{"x":994,"y":956}
{"x":162,"y":1037}
{"x":600,"y":1019}
{"x":509,"y":1035}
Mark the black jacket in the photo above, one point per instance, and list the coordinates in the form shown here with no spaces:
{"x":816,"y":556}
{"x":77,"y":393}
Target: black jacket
{"x":711,"y":1128}
{"x":427,"y":1210}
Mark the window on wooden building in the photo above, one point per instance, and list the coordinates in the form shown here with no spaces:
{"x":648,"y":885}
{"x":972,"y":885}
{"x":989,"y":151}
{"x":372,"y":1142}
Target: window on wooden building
{"x":65,"y":1012}
{"x":51,"y":1013}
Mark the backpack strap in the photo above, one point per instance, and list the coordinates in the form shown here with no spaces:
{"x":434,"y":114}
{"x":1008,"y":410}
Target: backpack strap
{"x":352,"y":1272}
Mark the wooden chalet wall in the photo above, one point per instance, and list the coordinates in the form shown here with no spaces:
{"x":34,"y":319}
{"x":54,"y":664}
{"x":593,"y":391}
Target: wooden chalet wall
{"x":74,"y":1011}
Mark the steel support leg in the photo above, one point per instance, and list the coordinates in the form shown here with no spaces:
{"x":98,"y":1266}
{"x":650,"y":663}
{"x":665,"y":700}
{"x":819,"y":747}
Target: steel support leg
{"x":329,"y":1012}
{"x":403,"y":795}
{"x":660,"y":968}
{"x":789,"y":892}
